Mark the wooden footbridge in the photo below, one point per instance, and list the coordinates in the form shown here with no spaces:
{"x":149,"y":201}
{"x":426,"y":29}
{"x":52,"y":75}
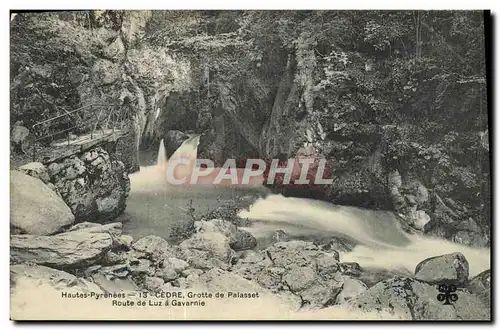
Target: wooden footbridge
{"x":76,"y":131}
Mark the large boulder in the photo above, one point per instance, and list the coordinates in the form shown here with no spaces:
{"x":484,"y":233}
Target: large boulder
{"x":481,"y":286}
{"x":153,"y":246}
{"x":207,"y":250}
{"x":450,"y":268}
{"x":34,"y":287}
{"x":238,"y":239}
{"x":471,"y":238}
{"x":36,"y":170}
{"x":218,"y":280}
{"x":298,"y":267}
{"x":35,"y":208}
{"x":56,"y":279}
{"x":114,"y":284}
{"x":70,"y":250}
{"x":93,"y":185}
{"x":171,"y":269}
{"x":414,"y":300}
{"x":351,"y":287}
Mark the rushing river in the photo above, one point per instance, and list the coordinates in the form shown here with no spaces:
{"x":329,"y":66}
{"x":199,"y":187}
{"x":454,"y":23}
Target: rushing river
{"x":153,"y":208}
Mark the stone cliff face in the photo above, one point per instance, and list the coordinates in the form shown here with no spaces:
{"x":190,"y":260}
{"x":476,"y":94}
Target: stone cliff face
{"x":368,"y":155}
{"x":93,"y":185}
{"x":271,"y":102}
{"x":88,"y":62}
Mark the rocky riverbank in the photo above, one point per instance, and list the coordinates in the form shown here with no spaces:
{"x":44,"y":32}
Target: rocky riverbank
{"x":221,"y":257}
{"x":91,"y":186}
{"x":57,"y":241}
{"x":90,"y":257}
{"x":402,"y":132}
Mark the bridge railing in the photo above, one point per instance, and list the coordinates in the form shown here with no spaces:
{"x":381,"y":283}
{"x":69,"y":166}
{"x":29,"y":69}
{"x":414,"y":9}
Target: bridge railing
{"x":95,"y":121}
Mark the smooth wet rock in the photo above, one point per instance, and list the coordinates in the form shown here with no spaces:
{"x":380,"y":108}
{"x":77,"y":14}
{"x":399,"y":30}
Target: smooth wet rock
{"x":93,"y":185}
{"x":450,"y":268}
{"x":415,"y":300}
{"x":35,"y":208}
{"x":438,"y":231}
{"x":371,"y":276}
{"x":71,"y":250}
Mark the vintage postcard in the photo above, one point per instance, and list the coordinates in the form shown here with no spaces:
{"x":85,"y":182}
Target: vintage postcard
{"x":250,"y":165}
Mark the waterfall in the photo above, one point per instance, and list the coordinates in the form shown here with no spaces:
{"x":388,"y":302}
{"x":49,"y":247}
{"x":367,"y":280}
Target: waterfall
{"x":162,"y":154}
{"x":381,"y":242}
{"x":188,"y":149}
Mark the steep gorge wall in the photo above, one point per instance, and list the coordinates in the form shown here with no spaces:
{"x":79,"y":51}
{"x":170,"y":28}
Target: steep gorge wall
{"x":63,"y":61}
{"x":323,"y":93}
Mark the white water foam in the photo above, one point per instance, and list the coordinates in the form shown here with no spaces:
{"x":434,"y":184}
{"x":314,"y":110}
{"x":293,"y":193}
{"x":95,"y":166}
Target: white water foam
{"x":382,"y":244}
